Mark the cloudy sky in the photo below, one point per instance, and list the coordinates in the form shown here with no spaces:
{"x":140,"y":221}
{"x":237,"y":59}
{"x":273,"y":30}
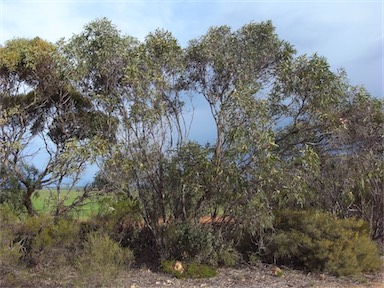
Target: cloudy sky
{"x":348,"y":33}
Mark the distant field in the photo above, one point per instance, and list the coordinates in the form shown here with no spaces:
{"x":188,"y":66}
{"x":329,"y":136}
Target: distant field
{"x":44,"y":201}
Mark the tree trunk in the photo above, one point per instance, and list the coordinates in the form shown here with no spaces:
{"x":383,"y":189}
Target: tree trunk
{"x":27,"y":202}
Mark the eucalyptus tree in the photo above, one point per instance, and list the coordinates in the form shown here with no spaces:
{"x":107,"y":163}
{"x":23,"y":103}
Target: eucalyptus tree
{"x":23,"y":63}
{"x":351,"y":179}
{"x":305,"y":106}
{"x":98,"y":57}
{"x":233,"y":71}
{"x":329,"y":136}
{"x":305,"y":103}
{"x":40,"y":106}
{"x":135,"y":86}
{"x":96,"y":60}
{"x":152,"y":127}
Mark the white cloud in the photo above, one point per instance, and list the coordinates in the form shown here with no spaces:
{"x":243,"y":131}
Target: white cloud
{"x":48,"y":20}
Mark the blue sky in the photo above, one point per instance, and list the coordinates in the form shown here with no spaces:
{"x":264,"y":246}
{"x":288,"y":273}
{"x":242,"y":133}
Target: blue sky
{"x":350,"y":34}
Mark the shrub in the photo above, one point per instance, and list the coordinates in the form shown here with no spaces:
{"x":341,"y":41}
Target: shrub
{"x":191,"y":242}
{"x":254,"y":259}
{"x":197,"y":270}
{"x":229,"y":257}
{"x":102,"y":259}
{"x":56,"y":244}
{"x":123,"y":218}
{"x":11,"y":192}
{"x":318,"y":241}
{"x":10,"y":250}
{"x":8,"y":218}
{"x":168,"y":266}
{"x":191,"y":270}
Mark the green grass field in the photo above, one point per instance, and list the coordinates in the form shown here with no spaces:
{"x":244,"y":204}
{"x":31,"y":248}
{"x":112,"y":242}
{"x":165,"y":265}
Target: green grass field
{"x":44,"y":201}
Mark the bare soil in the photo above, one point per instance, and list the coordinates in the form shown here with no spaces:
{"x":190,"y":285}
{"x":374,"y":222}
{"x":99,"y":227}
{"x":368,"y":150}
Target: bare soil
{"x":260,"y":276}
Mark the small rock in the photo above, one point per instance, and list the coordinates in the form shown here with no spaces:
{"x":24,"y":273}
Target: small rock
{"x":322,"y":277}
{"x":178,"y":267}
{"x":277,"y":272}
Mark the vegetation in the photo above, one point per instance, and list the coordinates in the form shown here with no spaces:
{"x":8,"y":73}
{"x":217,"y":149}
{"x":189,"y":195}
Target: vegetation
{"x":101,"y":260}
{"x":318,"y":242}
{"x":191,"y":270}
{"x":291,"y":135}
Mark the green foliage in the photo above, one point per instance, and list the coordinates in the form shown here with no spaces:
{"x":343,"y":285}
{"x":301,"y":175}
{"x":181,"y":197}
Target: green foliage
{"x":168,"y":266}
{"x":11,"y":192}
{"x":101,"y":261}
{"x":197,"y":270}
{"x":191,"y":270}
{"x":10,"y":250}
{"x":317,"y":241}
{"x":199,"y":243}
{"x":120,"y":217}
{"x":188,"y":174}
{"x":191,"y":242}
{"x":254,"y":259}
{"x":57,"y":244}
{"x":229,"y":257}
{"x":25,"y":56}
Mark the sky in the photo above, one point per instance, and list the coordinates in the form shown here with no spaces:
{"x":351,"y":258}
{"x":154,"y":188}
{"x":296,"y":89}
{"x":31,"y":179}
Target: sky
{"x":350,"y":34}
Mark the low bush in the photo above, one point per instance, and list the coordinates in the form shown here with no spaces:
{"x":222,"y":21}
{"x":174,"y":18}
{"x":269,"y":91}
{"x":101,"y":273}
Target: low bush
{"x":56,"y":248}
{"x":319,"y":242}
{"x":197,"y":270}
{"x":195,"y":242}
{"x":189,"y":270}
{"x":10,"y":250}
{"x":101,"y":261}
{"x":124,"y":221}
{"x":229,"y":257}
{"x":191,"y":242}
{"x":57,"y":244}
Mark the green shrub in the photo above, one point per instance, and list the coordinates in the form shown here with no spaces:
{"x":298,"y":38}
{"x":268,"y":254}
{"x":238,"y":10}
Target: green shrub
{"x":56,"y":244}
{"x":11,"y":192}
{"x":10,"y":250}
{"x":48,"y":242}
{"x":229,"y":257}
{"x":318,"y":241}
{"x":191,"y":242}
{"x":101,"y":261}
{"x":254,"y":259}
{"x":168,"y":267}
{"x":123,"y":221}
{"x":197,"y":270}
{"x":33,"y":225}
{"x":191,"y":270}
{"x":8,"y":217}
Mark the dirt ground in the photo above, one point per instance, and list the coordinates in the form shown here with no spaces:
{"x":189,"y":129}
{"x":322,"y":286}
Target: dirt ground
{"x":261,"y":276}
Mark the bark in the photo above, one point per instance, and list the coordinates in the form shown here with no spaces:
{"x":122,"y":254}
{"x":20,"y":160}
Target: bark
{"x":27,"y":201}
